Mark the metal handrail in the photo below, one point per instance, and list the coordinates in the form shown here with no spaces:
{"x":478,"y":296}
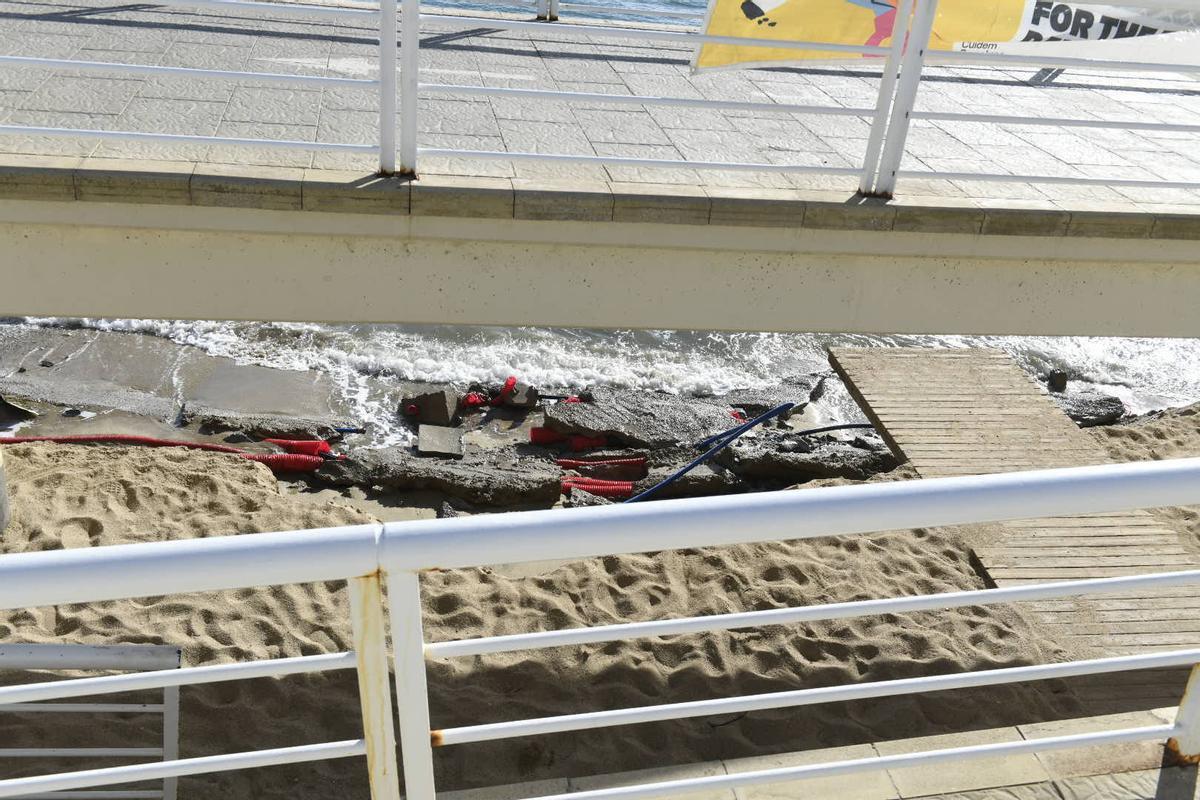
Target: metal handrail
{"x":399,"y":551}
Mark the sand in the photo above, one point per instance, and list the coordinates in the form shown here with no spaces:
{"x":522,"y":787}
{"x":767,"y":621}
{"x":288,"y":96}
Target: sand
{"x":1174,"y":433}
{"x":66,"y":496}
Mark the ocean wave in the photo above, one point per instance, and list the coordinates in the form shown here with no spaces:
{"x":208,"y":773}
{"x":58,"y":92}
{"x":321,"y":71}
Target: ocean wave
{"x":1146,"y":374}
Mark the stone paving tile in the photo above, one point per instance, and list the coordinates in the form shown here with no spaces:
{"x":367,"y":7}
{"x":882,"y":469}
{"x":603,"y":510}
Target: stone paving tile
{"x":276,"y":105}
{"x":465,"y":117}
{"x":658,"y":775}
{"x":984,"y":772}
{"x":83,"y":95}
{"x":545,"y":137}
{"x":1166,"y":784}
{"x":864,"y":786}
{"x":349,"y":127}
{"x":621,"y":126}
{"x":262,"y":155}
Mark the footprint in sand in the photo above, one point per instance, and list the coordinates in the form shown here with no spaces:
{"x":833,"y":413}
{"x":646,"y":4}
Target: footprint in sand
{"x":80,"y":532}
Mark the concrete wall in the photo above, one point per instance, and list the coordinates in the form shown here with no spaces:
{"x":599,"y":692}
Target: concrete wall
{"x":122,"y":260}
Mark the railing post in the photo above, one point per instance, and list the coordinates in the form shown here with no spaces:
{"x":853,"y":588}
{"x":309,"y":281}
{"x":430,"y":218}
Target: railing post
{"x":1185,"y":744}
{"x":374,"y":690}
{"x":170,"y":736}
{"x":911,"y":66}
{"x":412,"y":693}
{"x":887,"y":94}
{"x":410,"y":54}
{"x":387,"y":86}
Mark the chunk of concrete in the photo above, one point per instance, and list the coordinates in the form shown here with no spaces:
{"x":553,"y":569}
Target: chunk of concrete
{"x":523,"y":396}
{"x":433,"y":408}
{"x":641,"y":419}
{"x":797,"y":389}
{"x":498,"y":477}
{"x":435,"y":440}
{"x":1089,"y":408}
{"x":794,"y":459}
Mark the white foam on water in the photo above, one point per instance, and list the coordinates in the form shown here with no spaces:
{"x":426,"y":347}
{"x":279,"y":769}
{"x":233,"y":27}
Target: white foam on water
{"x":1146,"y":374}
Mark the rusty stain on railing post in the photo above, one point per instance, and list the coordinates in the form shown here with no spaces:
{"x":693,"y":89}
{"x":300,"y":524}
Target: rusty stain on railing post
{"x":374,"y":686}
{"x":1184,"y":746}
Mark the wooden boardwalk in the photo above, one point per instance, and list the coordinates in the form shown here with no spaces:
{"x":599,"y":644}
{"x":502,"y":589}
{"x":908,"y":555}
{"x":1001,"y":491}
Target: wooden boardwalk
{"x":969,"y":412}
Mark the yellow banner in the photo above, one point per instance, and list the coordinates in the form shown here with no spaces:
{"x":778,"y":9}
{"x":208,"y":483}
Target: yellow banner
{"x":959,"y":25}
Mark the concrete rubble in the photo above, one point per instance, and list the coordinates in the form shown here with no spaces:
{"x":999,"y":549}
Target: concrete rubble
{"x":641,"y":419}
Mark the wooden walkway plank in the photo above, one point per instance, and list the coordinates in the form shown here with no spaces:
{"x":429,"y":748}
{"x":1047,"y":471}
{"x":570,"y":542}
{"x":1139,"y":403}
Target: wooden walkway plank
{"x":972,"y":412}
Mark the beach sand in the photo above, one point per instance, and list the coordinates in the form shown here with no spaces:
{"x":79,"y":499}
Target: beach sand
{"x":1174,"y":433}
{"x":72,"y":496}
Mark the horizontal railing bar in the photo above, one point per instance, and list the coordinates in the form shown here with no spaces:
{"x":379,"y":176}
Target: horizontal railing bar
{"x":767,"y":516}
{"x":789,"y":616}
{"x":87,"y":656}
{"x":82,"y":708}
{"x":176,"y":138}
{"x":646,"y":34}
{"x":187,"y":676}
{"x":1048,"y":179}
{"x":837,"y":768}
{"x":98,"y":794}
{"x":183,"y":766}
{"x":1037,"y":60}
{"x":634,"y":100}
{"x":82,"y":575}
{"x":562,"y":158}
{"x":805,"y":697}
{"x":649,"y":12}
{"x":284,"y":9}
{"x":1061,"y":122}
{"x":185,"y":72}
{"x":80,"y":752}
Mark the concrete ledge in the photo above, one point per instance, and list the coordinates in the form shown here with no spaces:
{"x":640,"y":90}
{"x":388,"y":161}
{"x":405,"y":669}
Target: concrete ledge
{"x":292,"y":189}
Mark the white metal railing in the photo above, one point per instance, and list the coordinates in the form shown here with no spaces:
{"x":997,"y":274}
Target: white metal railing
{"x":364,"y":555}
{"x":399,"y":88}
{"x":127,"y":657}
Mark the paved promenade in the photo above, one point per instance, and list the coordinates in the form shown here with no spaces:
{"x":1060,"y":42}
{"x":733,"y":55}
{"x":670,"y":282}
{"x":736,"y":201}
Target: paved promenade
{"x":478,"y":55}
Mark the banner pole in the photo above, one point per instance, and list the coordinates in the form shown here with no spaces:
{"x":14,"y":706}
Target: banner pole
{"x":887,"y":94}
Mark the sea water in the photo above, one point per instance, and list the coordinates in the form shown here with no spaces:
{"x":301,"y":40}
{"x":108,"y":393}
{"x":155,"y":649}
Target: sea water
{"x":1147,"y":374}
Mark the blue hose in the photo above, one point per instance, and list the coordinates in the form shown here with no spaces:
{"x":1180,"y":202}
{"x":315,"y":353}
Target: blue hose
{"x":719,"y":441}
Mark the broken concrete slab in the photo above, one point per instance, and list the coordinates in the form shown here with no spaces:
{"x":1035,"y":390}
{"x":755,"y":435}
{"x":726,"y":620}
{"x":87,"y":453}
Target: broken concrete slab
{"x":797,"y":459}
{"x":11,"y":412}
{"x":502,"y":477}
{"x":258,"y":426}
{"x":1090,"y":408}
{"x":439,"y":407}
{"x":523,"y":396}
{"x":580,"y":498}
{"x":436,"y":440}
{"x":796,"y":389}
{"x":703,"y":480}
{"x":641,"y":419}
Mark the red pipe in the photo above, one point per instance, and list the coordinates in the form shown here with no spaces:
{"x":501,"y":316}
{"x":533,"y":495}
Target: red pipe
{"x":575,"y":463}
{"x":598,"y":487}
{"x":278,"y":462}
{"x":121,"y":438}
